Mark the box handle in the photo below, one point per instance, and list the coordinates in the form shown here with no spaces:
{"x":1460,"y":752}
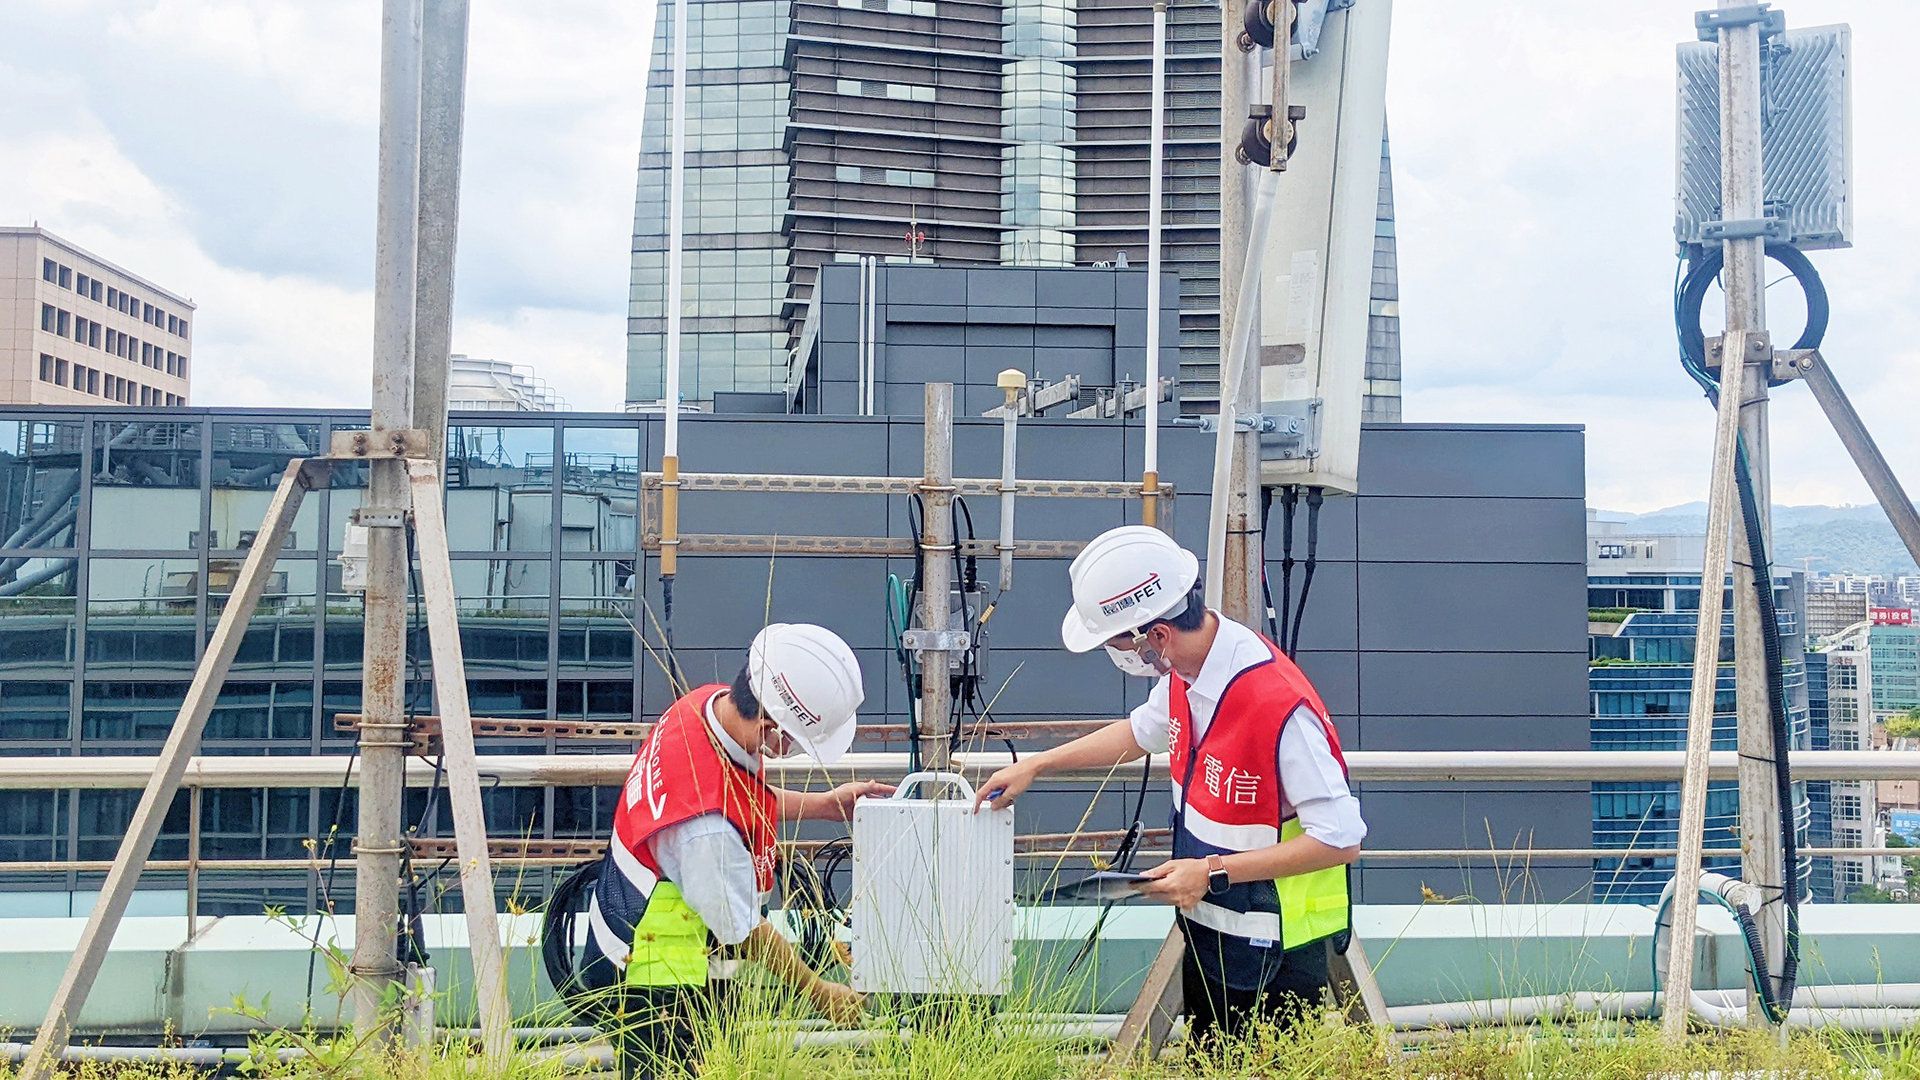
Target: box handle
{"x":907,"y":782}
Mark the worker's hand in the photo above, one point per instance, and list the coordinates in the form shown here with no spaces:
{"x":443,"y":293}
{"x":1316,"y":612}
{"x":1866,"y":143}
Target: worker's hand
{"x":838,"y":1002}
{"x":1180,"y":882}
{"x":1004,"y":786}
{"x":839,"y":802}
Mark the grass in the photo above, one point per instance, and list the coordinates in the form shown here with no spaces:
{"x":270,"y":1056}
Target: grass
{"x":974,"y":1043}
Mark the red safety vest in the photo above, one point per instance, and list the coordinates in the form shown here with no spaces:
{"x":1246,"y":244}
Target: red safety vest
{"x":681,"y":773}
{"x":640,"y":924}
{"x":1228,"y":798}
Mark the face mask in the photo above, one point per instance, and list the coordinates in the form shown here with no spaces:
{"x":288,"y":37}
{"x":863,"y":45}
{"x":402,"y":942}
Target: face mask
{"x":1151,"y":665}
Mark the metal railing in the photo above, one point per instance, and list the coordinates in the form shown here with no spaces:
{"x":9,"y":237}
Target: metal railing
{"x":610,"y":770}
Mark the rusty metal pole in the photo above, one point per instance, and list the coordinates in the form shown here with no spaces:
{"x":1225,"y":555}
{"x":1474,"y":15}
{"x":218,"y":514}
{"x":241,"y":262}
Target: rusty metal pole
{"x":1742,"y":198}
{"x":383,"y":737}
{"x":936,"y":545}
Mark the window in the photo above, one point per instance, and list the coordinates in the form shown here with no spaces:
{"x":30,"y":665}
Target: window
{"x":50,"y":271}
{"x":82,"y":284}
{"x":113,"y":297}
{"x":95,"y":294}
{"x":93,"y":381}
{"x":173,"y":324}
{"x":183,"y":328}
{"x":46,"y":368}
{"x":48,"y":318}
{"x":62,"y":330}
{"x":1613,"y":551}
{"x":146,"y":395}
{"x":171,"y":361}
{"x":59,"y":372}
{"x":66,"y":278}
{"x":183,"y":367}
{"x":147,"y":316}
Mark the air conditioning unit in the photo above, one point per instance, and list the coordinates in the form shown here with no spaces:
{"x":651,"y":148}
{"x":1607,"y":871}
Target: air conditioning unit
{"x":932,"y":909}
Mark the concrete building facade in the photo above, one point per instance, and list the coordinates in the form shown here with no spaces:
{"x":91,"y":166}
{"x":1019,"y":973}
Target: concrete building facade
{"x":1444,"y":615}
{"x":77,"y":330}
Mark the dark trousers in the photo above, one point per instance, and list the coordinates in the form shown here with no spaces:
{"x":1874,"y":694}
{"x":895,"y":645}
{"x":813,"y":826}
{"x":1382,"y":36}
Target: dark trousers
{"x":655,"y":1030}
{"x":1216,"y":1012}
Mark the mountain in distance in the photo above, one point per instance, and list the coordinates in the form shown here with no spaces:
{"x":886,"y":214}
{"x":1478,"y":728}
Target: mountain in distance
{"x":1838,"y":539}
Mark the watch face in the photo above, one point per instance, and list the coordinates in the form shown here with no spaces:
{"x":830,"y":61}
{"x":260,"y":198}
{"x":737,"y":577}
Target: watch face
{"x":1218,"y":882}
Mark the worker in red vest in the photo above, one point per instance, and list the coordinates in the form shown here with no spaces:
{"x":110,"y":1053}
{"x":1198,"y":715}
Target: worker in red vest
{"x":682,"y":895}
{"x":1264,"y":826}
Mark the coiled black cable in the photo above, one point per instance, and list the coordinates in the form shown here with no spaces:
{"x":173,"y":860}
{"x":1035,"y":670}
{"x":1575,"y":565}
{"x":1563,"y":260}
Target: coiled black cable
{"x":1689,"y":294}
{"x":569,"y":899}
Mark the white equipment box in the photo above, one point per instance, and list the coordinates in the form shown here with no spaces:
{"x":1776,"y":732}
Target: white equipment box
{"x":932,"y":907}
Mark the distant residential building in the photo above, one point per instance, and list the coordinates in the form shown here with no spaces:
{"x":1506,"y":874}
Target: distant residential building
{"x":1850,"y":674}
{"x":1828,"y":613}
{"x":1615,"y":547}
{"x":477,"y":385}
{"x":1896,"y":666}
{"x":77,"y":330}
{"x":1640,"y":683}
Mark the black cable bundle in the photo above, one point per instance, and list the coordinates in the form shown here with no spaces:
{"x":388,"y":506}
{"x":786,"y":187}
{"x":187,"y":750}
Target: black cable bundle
{"x":569,"y":899}
{"x":1689,"y":294}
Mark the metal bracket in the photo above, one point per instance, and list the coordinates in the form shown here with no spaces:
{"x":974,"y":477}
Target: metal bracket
{"x":1290,"y":430}
{"x":1790,"y":364}
{"x":1708,"y":24}
{"x":378,"y":444}
{"x":1745,"y":229}
{"x":1759,"y":349}
{"x":937,"y":640}
{"x":380,"y":517}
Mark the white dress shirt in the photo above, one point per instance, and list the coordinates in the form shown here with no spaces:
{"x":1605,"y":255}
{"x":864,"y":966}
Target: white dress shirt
{"x":1312,"y":784}
{"x":708,"y":860}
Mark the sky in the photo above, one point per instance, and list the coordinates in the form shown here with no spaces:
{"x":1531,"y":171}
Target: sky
{"x":226,"y":149}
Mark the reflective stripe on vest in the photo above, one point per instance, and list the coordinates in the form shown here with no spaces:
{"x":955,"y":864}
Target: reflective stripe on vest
{"x":1227,"y":798}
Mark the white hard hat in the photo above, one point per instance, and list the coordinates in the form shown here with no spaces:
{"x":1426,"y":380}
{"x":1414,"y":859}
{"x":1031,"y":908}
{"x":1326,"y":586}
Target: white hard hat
{"x":1123,"y":579}
{"x":808,"y":682}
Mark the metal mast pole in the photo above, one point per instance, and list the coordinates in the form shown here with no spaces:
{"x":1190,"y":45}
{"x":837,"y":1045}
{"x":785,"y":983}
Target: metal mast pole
{"x":936,"y":543}
{"x":1156,"y":150}
{"x":1238,"y":584}
{"x":676,"y":254}
{"x":378,"y":845}
{"x":442,"y":124}
{"x":1742,"y":199}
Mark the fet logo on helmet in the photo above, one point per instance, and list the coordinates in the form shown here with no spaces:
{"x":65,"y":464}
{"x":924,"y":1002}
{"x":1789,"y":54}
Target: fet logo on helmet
{"x":1114,"y":605}
{"x":792,"y":701}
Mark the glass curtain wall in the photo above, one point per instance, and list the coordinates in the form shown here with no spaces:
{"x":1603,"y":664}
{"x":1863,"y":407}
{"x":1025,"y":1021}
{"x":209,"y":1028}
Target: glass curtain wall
{"x":734,"y":337}
{"x":121,"y":538}
{"x":1037,"y":109}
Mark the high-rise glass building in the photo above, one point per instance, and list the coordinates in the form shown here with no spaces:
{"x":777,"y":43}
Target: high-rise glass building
{"x":950,"y":131}
{"x":1641,"y":685}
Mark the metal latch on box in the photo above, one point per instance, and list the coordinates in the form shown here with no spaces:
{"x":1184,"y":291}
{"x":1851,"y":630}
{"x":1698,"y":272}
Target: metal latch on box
{"x":937,"y":640}
{"x":1745,"y":229}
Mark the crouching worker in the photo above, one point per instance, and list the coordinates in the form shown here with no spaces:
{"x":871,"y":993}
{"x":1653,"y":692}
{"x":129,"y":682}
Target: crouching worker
{"x":681,"y":897}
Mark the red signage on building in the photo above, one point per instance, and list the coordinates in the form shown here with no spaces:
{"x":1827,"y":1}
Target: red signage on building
{"x":1896,"y":616}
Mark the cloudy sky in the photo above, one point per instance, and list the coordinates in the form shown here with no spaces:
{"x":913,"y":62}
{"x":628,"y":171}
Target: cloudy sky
{"x":226,"y":149}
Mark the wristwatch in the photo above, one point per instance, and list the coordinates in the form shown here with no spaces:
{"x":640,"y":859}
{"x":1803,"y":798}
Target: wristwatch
{"x":1217,"y":880}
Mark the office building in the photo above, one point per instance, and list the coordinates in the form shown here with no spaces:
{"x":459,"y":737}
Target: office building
{"x":77,"y":330}
{"x":957,"y":133}
{"x":1640,"y":681}
{"x":1895,"y":642}
{"x":1851,"y":675}
{"x":1829,"y":613}
{"x":129,"y":529}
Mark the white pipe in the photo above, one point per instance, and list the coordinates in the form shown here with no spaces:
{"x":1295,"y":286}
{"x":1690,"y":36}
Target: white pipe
{"x":1235,"y":354}
{"x":1862,"y":1007}
{"x":1009,"y":428}
{"x":610,"y":770}
{"x":1156,"y":150}
{"x":676,"y":220}
{"x":873,"y":330}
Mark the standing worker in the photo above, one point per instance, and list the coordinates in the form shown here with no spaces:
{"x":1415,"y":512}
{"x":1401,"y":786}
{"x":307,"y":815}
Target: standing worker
{"x":1264,"y":825}
{"x":681,"y":895}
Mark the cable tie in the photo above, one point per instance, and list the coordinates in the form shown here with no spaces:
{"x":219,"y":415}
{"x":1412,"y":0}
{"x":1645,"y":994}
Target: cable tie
{"x":397,"y":849}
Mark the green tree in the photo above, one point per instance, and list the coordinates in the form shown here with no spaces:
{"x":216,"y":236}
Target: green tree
{"x":1870,"y":894}
{"x":1904,"y":726}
